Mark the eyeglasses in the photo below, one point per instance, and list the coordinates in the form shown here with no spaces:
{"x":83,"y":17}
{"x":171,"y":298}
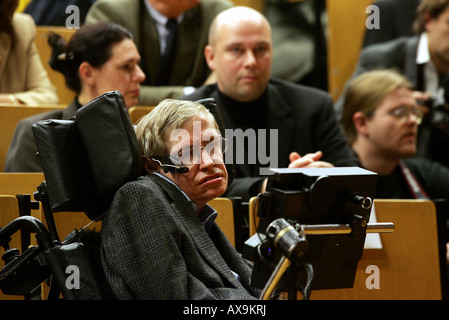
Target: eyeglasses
{"x":403,"y":113}
{"x":190,"y":155}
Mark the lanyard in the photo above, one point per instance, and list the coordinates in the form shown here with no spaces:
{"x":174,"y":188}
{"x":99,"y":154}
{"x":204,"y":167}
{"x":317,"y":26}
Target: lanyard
{"x":412,"y":183}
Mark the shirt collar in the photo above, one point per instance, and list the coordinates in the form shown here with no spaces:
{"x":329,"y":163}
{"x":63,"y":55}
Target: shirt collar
{"x":159,"y":17}
{"x":423,"y":55}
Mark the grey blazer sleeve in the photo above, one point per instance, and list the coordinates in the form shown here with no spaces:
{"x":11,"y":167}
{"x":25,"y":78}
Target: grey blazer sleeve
{"x":154,"y":247}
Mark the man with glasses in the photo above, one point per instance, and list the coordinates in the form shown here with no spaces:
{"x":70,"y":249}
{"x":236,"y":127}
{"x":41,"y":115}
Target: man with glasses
{"x":424,"y":60}
{"x":381,"y":120}
{"x":159,"y":238}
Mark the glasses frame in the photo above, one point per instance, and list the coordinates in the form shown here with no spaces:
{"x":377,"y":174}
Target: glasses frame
{"x":403,"y":113}
{"x":173,"y":160}
{"x":404,"y":116}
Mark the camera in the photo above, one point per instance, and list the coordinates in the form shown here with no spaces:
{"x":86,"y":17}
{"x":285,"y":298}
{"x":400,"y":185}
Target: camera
{"x":304,"y":198}
{"x":438,"y":117}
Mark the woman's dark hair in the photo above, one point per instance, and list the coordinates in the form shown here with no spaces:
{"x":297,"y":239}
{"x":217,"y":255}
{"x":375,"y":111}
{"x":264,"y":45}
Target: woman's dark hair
{"x":92,"y":43}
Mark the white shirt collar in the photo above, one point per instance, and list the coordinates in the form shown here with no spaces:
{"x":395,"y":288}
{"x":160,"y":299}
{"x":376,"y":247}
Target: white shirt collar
{"x":430,"y":73}
{"x":161,"y":22}
{"x":159,"y":17}
{"x":423,"y":55}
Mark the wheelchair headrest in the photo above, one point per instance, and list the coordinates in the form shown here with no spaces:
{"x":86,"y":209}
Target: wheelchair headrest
{"x":87,"y":159}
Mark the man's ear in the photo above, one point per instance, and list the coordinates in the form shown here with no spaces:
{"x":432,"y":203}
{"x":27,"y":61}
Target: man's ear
{"x":428,"y":21}
{"x":359,"y":120}
{"x":149,"y":164}
{"x":209,"y":54}
{"x":86,"y":72}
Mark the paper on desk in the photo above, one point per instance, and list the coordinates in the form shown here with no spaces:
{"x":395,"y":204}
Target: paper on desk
{"x":372,"y":240}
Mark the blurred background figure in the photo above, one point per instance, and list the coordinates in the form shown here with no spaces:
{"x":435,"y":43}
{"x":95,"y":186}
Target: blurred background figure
{"x":424,"y":60}
{"x":380,"y":120}
{"x":299,"y":40}
{"x":170,"y":36}
{"x":23,"y":79}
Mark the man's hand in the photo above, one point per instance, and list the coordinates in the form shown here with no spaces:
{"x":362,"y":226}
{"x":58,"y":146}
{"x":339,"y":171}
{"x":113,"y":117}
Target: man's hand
{"x":421,"y":98}
{"x":309,"y":160}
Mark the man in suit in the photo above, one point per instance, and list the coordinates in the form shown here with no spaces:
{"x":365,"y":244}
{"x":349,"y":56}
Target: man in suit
{"x":146,"y":19}
{"x":159,"y":239}
{"x":424,"y":60}
{"x":292,"y":124}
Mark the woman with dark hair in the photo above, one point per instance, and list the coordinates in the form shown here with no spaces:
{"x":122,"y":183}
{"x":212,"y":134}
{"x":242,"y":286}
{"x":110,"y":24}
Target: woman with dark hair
{"x":98,"y":58}
{"x":23,"y":79}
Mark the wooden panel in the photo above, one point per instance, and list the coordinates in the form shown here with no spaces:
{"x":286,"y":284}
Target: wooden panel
{"x":255,"y":4}
{"x":225,"y":218}
{"x":137,"y":112}
{"x":408,"y":262}
{"x":21,"y":183}
{"x":346,"y":27}
{"x":253,"y":219}
{"x":9,"y":117}
{"x":27,"y":183}
{"x":65,"y":95}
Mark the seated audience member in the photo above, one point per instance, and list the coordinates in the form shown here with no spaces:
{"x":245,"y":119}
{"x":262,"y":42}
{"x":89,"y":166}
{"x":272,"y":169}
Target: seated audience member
{"x":159,"y":239}
{"x":98,"y":58}
{"x":423,"y":59}
{"x":173,"y":70}
{"x":381,"y":120}
{"x":23,"y":79}
{"x":279,"y":123}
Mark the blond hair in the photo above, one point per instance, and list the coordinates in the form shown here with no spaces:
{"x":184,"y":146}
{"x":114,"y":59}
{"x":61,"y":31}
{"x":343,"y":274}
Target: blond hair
{"x":365,"y":93}
{"x":154,"y":129}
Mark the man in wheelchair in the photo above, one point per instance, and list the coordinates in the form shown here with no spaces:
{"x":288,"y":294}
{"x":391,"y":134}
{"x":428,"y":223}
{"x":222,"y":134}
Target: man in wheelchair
{"x":159,"y":239}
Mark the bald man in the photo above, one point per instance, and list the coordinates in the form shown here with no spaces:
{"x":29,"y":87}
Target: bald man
{"x":277,"y":123}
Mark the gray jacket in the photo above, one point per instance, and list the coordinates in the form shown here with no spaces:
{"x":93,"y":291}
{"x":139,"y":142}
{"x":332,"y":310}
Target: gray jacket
{"x":155,"y":247}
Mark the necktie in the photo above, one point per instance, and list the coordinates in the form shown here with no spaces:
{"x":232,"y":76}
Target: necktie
{"x":165,"y":67}
{"x":320,"y":78}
